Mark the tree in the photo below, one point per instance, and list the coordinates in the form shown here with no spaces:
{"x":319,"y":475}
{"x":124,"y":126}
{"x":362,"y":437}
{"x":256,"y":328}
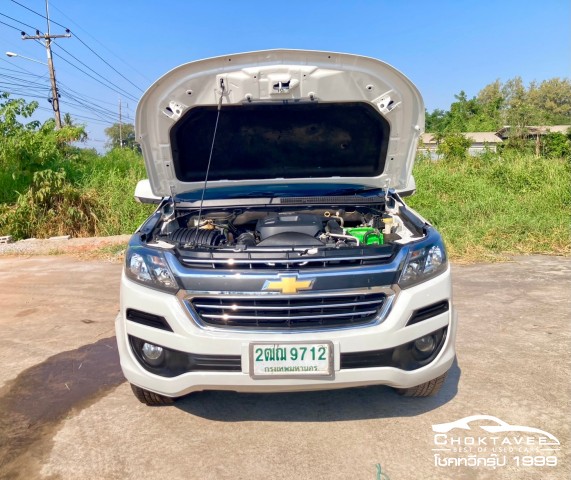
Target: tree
{"x":436,"y":121}
{"x":461,"y":112}
{"x":68,"y":121}
{"x":552,"y":100}
{"x":465,"y":115}
{"x":519,"y":112}
{"x":454,"y":146}
{"x":510,"y":103}
{"x":491,"y":102}
{"x":28,"y":146}
{"x":25,"y":146}
{"x":126,"y":133}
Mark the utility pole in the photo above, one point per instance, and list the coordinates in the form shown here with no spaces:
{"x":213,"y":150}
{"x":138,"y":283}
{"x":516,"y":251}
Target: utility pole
{"x":47,"y":37}
{"x":120,"y":126}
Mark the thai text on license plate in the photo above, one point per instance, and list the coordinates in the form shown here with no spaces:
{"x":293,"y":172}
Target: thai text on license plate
{"x":291,"y":359}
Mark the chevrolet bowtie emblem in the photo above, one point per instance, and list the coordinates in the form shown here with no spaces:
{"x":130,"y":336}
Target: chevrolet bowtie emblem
{"x":288,"y":285}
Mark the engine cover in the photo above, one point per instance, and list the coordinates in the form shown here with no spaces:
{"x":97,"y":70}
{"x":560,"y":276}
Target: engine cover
{"x":289,"y":223}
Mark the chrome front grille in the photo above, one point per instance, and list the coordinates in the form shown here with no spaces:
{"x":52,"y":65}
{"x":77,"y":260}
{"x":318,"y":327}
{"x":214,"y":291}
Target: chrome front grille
{"x":289,"y":312}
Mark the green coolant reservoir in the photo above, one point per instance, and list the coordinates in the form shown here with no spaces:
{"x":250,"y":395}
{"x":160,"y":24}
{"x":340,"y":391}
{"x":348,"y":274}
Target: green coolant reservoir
{"x":366,"y":235}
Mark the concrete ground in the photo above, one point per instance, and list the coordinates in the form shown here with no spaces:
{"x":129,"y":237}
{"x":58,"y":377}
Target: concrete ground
{"x":66,"y":412}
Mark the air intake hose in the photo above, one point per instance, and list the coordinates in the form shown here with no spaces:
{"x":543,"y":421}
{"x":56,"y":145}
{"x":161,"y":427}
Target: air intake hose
{"x":209,"y":238}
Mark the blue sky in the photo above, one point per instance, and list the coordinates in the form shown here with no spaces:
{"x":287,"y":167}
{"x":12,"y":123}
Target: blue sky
{"x":442,"y":46}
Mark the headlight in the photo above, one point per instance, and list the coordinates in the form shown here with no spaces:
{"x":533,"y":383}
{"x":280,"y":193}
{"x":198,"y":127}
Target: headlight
{"x":150,"y":268}
{"x":422,"y":264}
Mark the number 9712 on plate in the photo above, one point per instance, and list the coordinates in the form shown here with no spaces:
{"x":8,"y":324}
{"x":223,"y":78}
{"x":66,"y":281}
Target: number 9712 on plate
{"x":291,"y":360}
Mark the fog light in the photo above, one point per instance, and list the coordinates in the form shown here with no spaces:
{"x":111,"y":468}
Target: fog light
{"x":425,"y":345}
{"x":153,"y":354}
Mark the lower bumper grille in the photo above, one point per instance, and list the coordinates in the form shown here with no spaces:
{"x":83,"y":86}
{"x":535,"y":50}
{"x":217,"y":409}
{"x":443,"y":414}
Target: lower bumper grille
{"x":300,"y":312}
{"x":402,"y":357}
{"x":176,"y":362}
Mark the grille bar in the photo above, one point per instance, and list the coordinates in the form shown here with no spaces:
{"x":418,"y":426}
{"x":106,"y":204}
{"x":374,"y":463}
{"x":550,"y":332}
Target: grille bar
{"x":292,"y":317}
{"x":235,"y":307}
{"x":287,"y":312}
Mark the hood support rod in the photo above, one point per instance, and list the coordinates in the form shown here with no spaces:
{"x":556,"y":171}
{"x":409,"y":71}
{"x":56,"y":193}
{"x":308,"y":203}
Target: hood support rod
{"x":222,"y":88}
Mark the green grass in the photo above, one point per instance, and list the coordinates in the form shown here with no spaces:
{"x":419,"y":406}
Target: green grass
{"x":491,"y":205}
{"x":484,"y":206}
{"x":113,"y":177}
{"x":89,"y":195}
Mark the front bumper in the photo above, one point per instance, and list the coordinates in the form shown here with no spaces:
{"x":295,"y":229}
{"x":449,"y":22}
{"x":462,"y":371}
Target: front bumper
{"x":187,"y":336}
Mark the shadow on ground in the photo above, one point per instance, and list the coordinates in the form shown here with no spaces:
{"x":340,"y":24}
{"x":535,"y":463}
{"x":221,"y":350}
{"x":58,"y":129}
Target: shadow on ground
{"x":322,"y":406}
{"x":39,"y":398}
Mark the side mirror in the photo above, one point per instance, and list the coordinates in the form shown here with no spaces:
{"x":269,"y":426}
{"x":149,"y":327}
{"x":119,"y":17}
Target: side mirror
{"x":144,"y":194}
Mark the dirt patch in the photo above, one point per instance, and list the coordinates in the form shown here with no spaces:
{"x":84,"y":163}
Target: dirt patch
{"x":105,"y":248}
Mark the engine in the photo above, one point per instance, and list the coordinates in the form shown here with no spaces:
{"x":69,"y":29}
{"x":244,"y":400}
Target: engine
{"x":249,"y":229}
{"x":289,"y":229}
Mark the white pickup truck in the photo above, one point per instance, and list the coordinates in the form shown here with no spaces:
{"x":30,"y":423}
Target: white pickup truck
{"x":281,"y":256}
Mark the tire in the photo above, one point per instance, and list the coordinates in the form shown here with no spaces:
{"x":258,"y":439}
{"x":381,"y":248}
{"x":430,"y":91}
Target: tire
{"x":150,"y":398}
{"x":427,"y":389}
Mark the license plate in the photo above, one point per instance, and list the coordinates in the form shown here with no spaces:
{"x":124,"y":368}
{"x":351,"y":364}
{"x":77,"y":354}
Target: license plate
{"x":291,"y":359}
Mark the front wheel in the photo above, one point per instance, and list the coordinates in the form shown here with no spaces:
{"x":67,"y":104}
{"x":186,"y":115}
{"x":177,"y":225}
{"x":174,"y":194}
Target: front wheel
{"x":427,"y":389}
{"x":150,"y":398}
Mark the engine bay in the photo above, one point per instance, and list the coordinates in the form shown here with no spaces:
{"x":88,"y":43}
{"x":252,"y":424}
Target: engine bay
{"x":285,"y":227}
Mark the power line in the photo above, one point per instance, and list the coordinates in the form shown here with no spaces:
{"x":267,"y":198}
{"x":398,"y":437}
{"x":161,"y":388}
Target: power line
{"x":102,"y":122}
{"x":90,"y":106}
{"x":25,"y":94}
{"x":78,"y":103}
{"x":108,"y":64}
{"x":89,"y":102}
{"x":29,"y":73}
{"x":11,"y":26}
{"x":48,"y":39}
{"x":127,"y":64}
{"x":99,"y":111}
{"x":18,"y":21}
{"x":75,"y":99}
{"x":21,"y":68}
{"x":21,"y":83}
{"x":22,"y":73}
{"x":94,"y":78}
{"x":85,"y":44}
{"x":14,"y":81}
{"x":101,"y":114}
{"x":24,"y":85}
{"x":28,"y":82}
{"x":33,"y":11}
{"x":94,"y":120}
{"x":91,"y":69}
{"x":86,"y":97}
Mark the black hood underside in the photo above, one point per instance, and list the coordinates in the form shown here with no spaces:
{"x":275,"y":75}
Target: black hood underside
{"x":280,"y":140}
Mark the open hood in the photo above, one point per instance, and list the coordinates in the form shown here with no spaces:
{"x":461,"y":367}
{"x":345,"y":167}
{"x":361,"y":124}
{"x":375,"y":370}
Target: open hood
{"x":284,"y":118}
